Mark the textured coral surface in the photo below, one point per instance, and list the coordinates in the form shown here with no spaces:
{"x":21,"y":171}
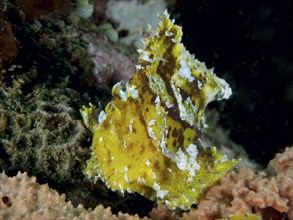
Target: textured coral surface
{"x":246,"y":192}
{"x":42,"y":130}
{"x":243,"y":193}
{"x":23,"y":198}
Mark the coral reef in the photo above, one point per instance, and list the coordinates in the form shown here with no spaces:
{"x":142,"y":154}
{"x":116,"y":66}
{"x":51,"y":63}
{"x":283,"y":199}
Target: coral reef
{"x":243,"y":217}
{"x":42,"y":130}
{"x":23,"y":198}
{"x":66,"y":40}
{"x":154,"y":123}
{"x":245,"y":192}
{"x":42,"y":133}
{"x":268,"y":197}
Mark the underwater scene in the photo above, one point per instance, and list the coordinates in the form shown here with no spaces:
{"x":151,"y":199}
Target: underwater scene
{"x":146,"y":109}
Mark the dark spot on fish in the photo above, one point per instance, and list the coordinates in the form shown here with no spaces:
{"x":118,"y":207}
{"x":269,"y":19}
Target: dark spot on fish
{"x":130,"y":146}
{"x":174,"y":142}
{"x":180,"y":138}
{"x":184,"y":94}
{"x":167,"y":162}
{"x":134,"y":130}
{"x":175,"y":132}
{"x":157,"y":166}
{"x":165,"y":175}
{"x":109,"y":157}
{"x":153,"y":99}
{"x":169,"y":131}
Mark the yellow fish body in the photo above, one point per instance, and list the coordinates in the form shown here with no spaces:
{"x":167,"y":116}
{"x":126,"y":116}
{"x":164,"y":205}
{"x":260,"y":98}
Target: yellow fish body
{"x":147,"y":140}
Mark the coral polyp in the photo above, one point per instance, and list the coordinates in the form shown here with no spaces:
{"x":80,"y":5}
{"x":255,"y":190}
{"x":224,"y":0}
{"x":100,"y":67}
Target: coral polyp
{"x":148,"y":138}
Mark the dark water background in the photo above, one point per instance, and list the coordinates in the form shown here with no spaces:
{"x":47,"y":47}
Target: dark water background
{"x":249,"y":43}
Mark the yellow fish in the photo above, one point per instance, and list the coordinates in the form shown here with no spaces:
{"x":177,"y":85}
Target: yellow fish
{"x":147,"y":140}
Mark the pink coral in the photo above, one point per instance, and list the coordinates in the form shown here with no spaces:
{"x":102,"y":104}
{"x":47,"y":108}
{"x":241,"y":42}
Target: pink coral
{"x":23,"y":198}
{"x":161,"y":212}
{"x":283,"y":163}
{"x":247,"y":192}
{"x":243,"y":192}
